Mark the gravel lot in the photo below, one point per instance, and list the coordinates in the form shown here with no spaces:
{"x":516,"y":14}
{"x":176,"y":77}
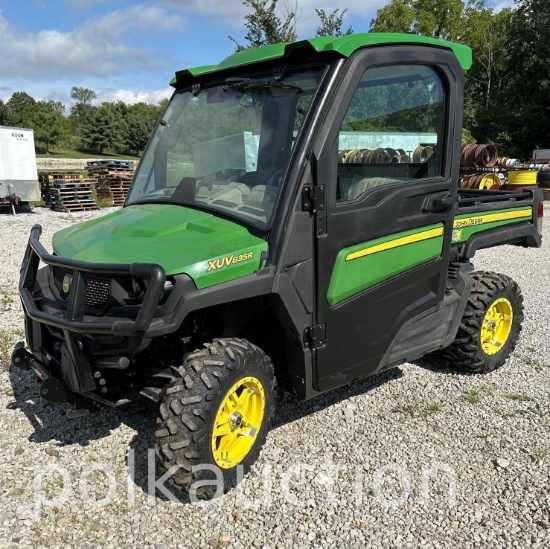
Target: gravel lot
{"x":417,"y":457}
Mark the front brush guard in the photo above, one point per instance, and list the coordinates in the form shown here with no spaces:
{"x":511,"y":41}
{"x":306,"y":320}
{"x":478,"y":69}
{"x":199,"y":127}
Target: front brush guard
{"x":73,"y":318}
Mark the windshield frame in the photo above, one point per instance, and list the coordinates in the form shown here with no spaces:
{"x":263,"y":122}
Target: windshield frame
{"x":203,"y":83}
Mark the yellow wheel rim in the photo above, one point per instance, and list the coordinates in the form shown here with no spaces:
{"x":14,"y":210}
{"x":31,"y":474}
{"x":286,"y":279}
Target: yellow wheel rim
{"x":238,"y":422}
{"x":496,"y":326}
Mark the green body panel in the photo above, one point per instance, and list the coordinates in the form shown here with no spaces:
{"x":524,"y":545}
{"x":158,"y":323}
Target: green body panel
{"x":195,"y":71}
{"x":353,"y":276}
{"x":345,"y":46}
{"x":272,"y":51}
{"x":462,"y":234}
{"x":209,"y":249}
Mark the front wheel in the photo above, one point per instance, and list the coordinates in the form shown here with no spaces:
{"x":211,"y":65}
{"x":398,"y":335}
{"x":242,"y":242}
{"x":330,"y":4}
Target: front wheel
{"x":490,"y":326}
{"x":215,"y":415}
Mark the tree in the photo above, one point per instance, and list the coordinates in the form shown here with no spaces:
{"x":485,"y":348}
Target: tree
{"x":104,"y":128}
{"x":140,"y":121}
{"x":3,"y":114}
{"x":82,"y":109}
{"x":487,"y":34}
{"x":163,"y":103}
{"x":265,"y":26}
{"x":47,"y":120}
{"x":84,"y":96}
{"x":524,"y":98}
{"x":397,"y":16}
{"x":444,"y":19}
{"x":331,"y":23}
{"x":16,"y":104}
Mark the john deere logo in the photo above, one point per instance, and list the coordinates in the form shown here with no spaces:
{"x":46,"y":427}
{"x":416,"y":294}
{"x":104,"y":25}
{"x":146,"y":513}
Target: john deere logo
{"x":66,"y":283}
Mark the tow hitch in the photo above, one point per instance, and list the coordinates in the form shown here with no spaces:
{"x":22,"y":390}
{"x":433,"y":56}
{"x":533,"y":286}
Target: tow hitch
{"x":51,"y":390}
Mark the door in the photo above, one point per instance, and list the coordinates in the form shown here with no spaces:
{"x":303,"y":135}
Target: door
{"x":386,"y":159}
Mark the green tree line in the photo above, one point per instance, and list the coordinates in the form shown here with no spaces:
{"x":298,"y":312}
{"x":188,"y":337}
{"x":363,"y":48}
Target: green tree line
{"x":111,"y":126}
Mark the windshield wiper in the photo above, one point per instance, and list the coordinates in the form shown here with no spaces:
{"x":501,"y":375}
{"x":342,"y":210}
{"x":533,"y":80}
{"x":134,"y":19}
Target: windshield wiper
{"x":248,"y":84}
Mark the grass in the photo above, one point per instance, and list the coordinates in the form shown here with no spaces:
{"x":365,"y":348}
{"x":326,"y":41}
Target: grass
{"x":472,"y":397}
{"x":517,"y":398}
{"x":535,"y":410}
{"x":77,"y":154}
{"x":104,"y":202}
{"x":417,"y":409}
{"x":431,"y":409}
{"x":538,"y":365}
{"x":6,"y":347}
{"x":540,"y":452}
{"x":5,"y":300}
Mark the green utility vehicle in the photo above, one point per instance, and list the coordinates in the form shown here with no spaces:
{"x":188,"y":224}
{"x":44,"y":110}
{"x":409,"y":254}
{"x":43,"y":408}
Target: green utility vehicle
{"x":295,"y":220}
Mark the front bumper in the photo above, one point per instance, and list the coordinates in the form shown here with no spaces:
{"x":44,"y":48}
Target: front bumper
{"x":68,"y":340}
{"x":73,"y":318}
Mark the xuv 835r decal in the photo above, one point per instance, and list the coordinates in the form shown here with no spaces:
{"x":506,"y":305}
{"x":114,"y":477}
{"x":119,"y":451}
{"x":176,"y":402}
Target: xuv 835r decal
{"x":228,"y":260}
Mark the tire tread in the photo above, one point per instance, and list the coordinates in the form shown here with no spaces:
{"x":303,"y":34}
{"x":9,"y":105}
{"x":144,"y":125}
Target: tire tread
{"x":190,"y":403}
{"x":465,"y":352}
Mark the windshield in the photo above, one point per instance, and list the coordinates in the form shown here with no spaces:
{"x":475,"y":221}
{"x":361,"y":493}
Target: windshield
{"x":226,"y":148}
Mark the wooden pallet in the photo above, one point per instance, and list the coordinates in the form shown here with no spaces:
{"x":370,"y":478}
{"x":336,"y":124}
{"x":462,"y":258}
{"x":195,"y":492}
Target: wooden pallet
{"x":67,"y":191}
{"x":75,"y":206}
{"x":73,"y":185}
{"x":114,"y":186}
{"x":95,"y":163}
{"x":73,"y":198}
{"x":76,"y":174}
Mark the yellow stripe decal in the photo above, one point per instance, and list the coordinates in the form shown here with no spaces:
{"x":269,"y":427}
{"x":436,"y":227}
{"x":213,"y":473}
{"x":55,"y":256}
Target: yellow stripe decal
{"x":403,"y":241}
{"x":491,"y":218}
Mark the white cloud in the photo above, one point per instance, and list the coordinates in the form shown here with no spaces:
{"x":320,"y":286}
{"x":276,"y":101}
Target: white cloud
{"x":499,"y":5}
{"x":357,"y":10}
{"x":231,"y":12}
{"x":95,"y":48}
{"x":60,"y":92}
{"x":219,"y":8}
{"x":131,"y":96}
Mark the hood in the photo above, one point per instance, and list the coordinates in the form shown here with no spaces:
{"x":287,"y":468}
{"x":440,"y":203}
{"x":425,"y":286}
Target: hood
{"x":181,"y":240}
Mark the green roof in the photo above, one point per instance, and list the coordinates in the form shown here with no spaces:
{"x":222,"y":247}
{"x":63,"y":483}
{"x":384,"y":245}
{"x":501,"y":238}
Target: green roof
{"x":345,"y":46}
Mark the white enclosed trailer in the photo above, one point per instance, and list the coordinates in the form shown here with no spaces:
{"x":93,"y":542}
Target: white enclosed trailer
{"x":18,"y":175}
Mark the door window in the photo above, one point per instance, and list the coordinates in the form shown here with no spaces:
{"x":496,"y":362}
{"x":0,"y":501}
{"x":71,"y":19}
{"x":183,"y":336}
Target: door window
{"x":392,"y":131}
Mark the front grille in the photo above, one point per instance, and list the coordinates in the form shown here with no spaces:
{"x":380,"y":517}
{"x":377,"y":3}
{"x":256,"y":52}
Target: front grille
{"x":59,"y":273}
{"x":97,"y":287}
{"x":97,"y":290}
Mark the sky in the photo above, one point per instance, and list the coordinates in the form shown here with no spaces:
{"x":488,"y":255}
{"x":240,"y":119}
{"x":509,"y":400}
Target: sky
{"x":129,"y":50}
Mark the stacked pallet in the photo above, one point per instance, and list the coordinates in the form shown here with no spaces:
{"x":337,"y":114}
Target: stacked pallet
{"x":113,"y":178}
{"x":113,"y":188}
{"x":102,"y":167}
{"x":67,"y":192}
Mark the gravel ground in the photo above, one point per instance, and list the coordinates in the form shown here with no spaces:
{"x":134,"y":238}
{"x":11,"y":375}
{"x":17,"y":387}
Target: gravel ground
{"x":416,"y":457}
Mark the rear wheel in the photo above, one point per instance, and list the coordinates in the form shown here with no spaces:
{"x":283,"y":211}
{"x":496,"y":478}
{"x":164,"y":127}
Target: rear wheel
{"x":215,"y":415}
{"x":490,"y":326}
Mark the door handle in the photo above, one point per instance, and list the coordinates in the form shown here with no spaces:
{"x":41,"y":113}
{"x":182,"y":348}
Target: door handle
{"x":439,"y":202}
